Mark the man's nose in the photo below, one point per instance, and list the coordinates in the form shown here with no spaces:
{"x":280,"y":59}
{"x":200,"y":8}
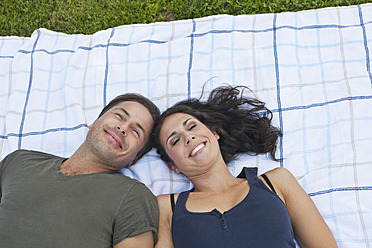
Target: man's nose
{"x":123,"y":129}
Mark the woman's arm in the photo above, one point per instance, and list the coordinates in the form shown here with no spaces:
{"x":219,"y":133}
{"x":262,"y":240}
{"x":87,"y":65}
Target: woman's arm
{"x":165,"y":222}
{"x":309,"y":227}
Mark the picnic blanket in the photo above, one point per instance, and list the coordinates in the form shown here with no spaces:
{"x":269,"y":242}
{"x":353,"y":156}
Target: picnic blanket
{"x":312,"y":68}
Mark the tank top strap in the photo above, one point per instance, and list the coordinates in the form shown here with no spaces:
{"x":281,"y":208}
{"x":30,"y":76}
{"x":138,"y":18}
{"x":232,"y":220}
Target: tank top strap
{"x":181,"y":200}
{"x":250,"y":173}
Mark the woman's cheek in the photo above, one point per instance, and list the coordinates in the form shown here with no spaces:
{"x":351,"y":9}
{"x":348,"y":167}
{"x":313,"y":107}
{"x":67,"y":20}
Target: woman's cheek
{"x":176,"y":154}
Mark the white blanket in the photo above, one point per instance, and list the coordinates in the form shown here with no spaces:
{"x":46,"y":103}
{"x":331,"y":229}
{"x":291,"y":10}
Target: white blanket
{"x":312,"y":68}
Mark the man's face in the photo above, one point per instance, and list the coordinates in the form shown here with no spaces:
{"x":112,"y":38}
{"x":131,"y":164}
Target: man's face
{"x":119,"y":134}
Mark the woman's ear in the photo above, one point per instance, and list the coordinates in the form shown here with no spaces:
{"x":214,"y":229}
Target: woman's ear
{"x":173,"y":167}
{"x":216,"y":135}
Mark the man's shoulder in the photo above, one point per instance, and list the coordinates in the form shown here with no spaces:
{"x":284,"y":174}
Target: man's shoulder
{"x":22,"y":153}
{"x":23,"y":158}
{"x":131,"y":183}
{"x":118,"y":184}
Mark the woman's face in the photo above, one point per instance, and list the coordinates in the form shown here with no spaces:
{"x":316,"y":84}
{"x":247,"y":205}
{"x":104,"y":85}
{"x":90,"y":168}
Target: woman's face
{"x":189,"y":143}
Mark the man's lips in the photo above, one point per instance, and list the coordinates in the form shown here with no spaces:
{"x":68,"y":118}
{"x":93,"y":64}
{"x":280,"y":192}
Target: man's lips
{"x":115,"y":136}
{"x":197,"y":149}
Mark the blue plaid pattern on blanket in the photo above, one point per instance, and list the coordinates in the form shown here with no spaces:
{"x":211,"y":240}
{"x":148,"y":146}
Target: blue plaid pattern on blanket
{"x":312,"y":68}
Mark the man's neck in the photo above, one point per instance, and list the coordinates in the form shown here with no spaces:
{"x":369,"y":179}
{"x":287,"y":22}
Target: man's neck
{"x":80,"y":163}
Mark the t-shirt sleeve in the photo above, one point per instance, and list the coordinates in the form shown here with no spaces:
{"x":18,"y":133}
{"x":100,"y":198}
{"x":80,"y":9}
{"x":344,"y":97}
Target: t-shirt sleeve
{"x":138,"y":214}
{"x":1,"y":178}
{"x":3,"y":164}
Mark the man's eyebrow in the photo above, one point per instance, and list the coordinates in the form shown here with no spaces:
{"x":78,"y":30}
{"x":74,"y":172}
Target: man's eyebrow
{"x":174,"y":132}
{"x":140,"y":127}
{"x":125,"y":112}
{"x":137,"y":124}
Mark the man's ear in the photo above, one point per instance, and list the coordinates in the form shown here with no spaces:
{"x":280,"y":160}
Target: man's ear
{"x":90,"y":126}
{"x":134,"y":161}
{"x":173,"y":167}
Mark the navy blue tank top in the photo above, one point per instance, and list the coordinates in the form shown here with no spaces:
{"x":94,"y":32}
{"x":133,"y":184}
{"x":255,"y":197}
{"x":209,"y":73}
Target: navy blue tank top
{"x":259,"y":220}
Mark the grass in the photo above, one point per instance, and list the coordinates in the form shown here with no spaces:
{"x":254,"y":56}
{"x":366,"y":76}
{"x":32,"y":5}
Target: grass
{"x":22,"y":17}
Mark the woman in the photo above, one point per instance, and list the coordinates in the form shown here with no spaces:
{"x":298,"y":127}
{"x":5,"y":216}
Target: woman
{"x":198,"y":139}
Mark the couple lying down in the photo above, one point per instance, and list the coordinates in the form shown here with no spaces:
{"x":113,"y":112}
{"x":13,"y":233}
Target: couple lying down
{"x":82,"y":201}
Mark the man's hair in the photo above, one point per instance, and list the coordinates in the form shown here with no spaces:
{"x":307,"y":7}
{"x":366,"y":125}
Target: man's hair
{"x":151,"y":107}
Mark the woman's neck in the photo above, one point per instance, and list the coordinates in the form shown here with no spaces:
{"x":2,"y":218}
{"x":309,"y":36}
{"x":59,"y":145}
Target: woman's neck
{"x":217,"y":179}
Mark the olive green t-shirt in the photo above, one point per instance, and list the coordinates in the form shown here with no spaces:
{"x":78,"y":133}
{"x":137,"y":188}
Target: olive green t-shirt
{"x":41,"y":207}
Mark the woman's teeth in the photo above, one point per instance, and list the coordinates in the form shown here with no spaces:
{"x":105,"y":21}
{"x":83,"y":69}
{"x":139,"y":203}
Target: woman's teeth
{"x":197,"y":149}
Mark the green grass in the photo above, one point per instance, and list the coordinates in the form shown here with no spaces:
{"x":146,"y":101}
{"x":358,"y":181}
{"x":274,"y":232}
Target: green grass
{"x":22,"y":17}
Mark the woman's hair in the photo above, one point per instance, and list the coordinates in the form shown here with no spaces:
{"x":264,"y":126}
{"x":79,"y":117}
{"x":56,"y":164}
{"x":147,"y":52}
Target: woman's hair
{"x":243,"y":123}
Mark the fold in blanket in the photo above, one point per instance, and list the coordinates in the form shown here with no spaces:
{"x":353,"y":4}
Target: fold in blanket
{"x":312,"y":68}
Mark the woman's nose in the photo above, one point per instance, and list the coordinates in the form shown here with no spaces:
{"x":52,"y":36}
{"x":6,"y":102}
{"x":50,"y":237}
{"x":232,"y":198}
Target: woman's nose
{"x":189,"y":138}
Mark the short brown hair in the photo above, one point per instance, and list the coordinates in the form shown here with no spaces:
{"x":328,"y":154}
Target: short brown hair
{"x":151,"y":107}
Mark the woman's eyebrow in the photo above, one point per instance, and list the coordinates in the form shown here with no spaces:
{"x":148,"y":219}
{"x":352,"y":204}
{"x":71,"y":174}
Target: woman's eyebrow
{"x":170,"y":136}
{"x":185,"y":122}
{"x":174,"y":132}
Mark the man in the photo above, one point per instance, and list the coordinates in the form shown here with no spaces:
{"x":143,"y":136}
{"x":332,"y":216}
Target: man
{"x":48,"y":201}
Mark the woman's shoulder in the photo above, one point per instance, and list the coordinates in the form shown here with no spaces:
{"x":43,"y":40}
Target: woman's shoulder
{"x":164,"y":198}
{"x":166,"y":201}
{"x":282,"y":180}
{"x":279,"y":173}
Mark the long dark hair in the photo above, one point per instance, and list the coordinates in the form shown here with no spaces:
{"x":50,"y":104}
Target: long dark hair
{"x":243,"y":123}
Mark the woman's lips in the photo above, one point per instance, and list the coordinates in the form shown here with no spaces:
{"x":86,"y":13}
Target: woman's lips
{"x":197,"y":149}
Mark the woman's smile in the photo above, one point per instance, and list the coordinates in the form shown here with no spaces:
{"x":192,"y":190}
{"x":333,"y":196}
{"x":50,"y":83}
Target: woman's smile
{"x":198,"y":149}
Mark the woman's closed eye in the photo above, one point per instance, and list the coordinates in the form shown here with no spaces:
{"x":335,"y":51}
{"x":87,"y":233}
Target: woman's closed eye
{"x":175,"y":141}
{"x":192,"y":126}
